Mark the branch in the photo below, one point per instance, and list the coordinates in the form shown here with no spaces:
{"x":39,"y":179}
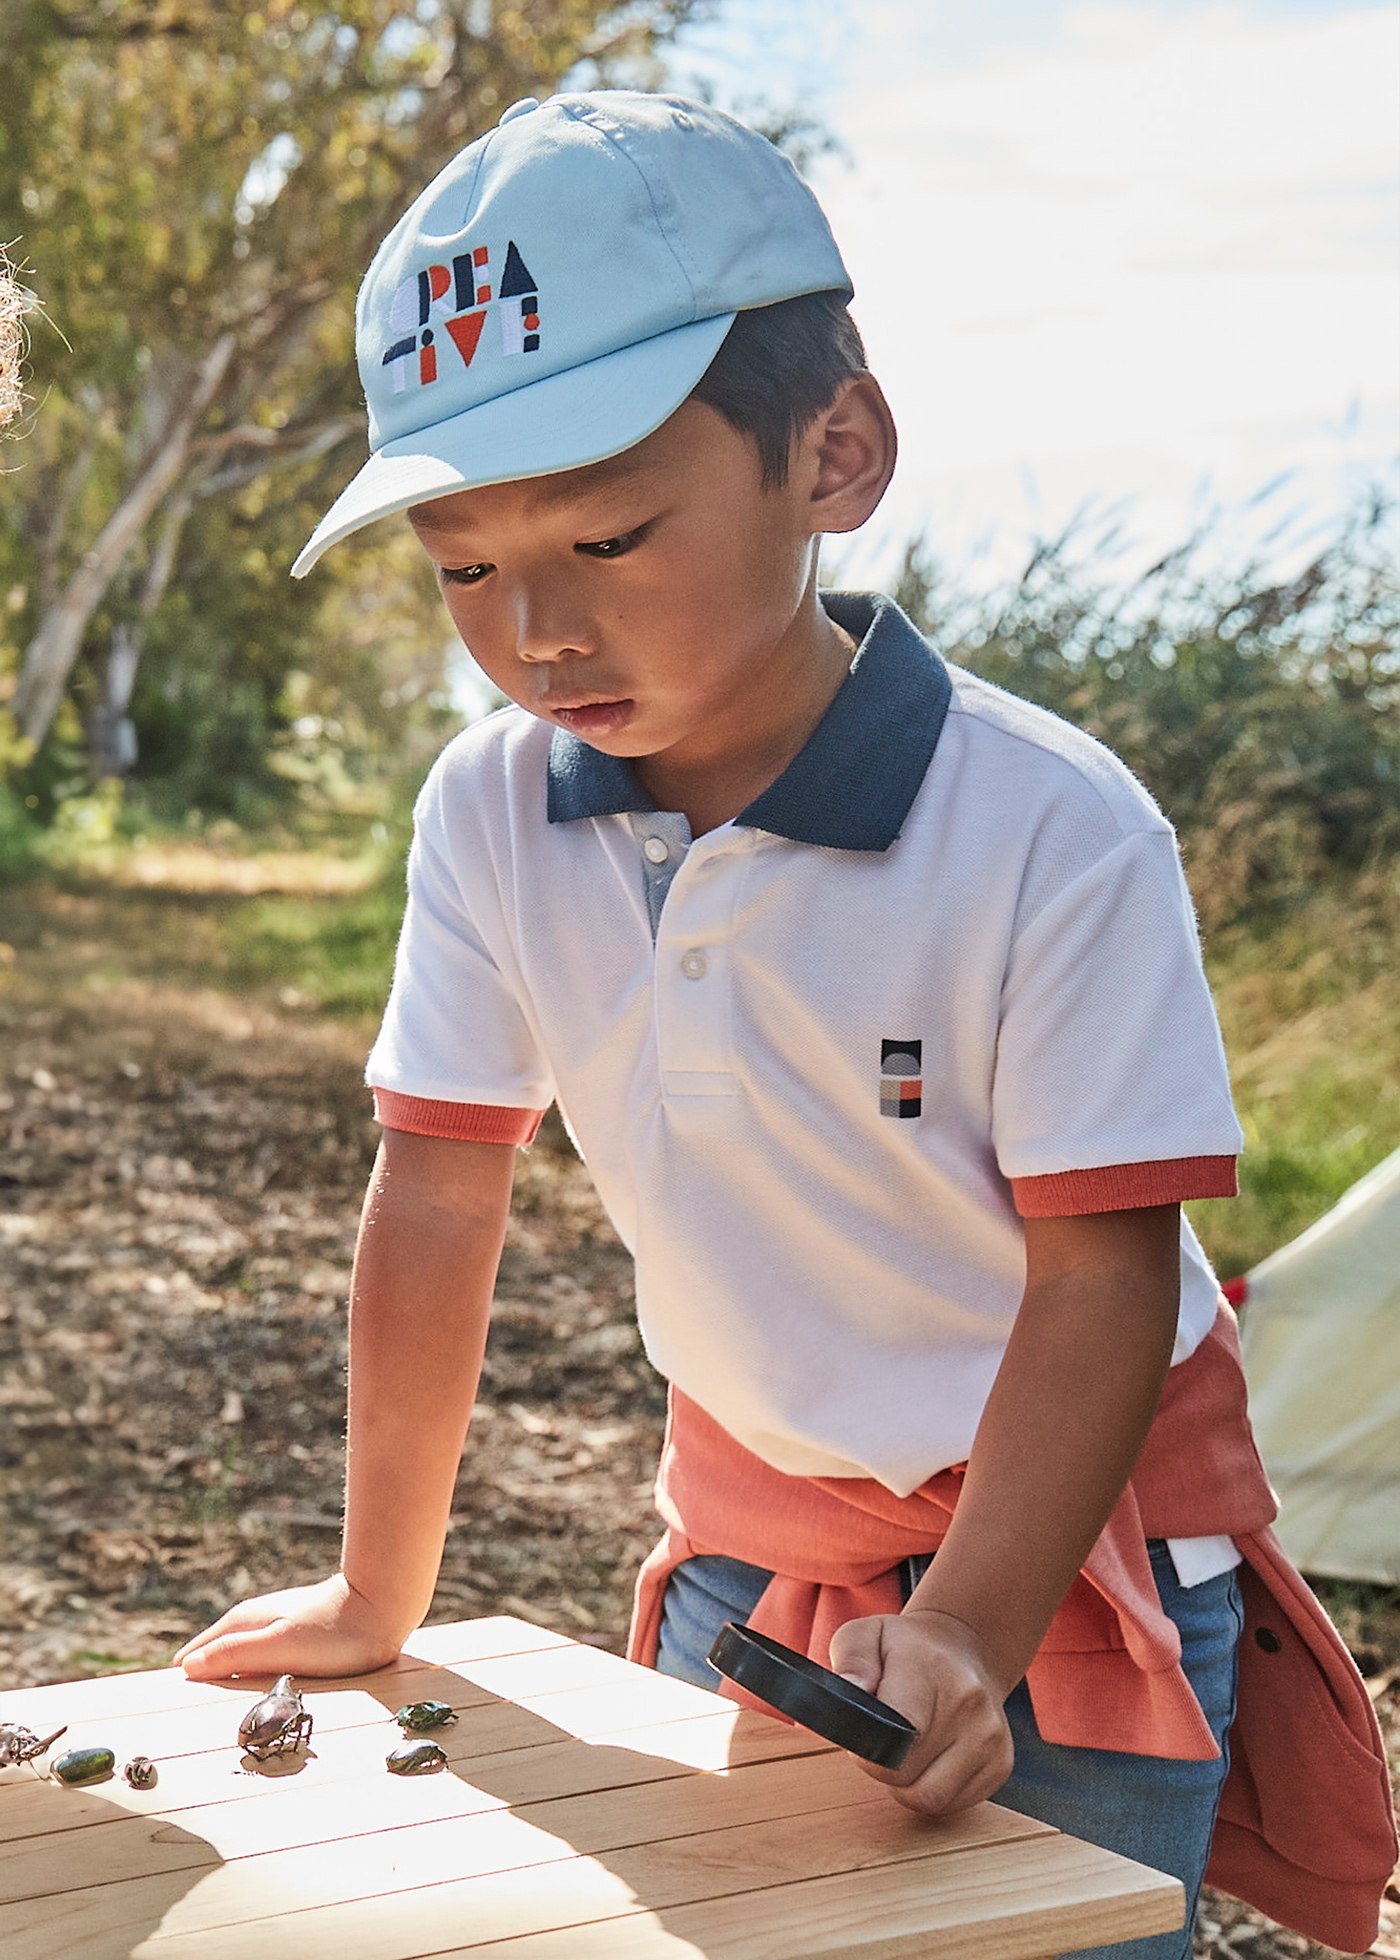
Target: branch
{"x":271,"y":442}
{"x":99,"y":27}
{"x":48,"y":531}
{"x":163,"y":557}
{"x":315,"y":443}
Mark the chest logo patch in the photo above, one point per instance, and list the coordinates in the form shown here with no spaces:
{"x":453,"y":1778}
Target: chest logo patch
{"x":901,"y":1078}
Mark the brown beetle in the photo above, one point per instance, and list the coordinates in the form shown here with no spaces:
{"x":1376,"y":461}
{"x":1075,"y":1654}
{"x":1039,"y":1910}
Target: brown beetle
{"x":21,"y":1745}
{"x":275,"y":1723}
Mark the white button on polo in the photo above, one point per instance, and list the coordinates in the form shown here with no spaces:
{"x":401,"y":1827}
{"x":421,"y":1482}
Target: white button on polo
{"x":694,"y":966}
{"x":656,"y":850}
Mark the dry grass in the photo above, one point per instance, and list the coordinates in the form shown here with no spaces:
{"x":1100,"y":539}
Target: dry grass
{"x":16,"y":303}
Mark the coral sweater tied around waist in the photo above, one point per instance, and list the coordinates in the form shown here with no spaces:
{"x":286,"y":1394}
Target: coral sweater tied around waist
{"x":1315,"y":1849}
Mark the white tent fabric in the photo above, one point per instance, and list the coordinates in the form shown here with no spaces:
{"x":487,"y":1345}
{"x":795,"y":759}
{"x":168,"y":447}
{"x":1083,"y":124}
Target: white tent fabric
{"x":1320,"y":1329}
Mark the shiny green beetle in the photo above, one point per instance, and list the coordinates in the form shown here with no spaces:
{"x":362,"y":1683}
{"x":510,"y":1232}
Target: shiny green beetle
{"x":419,"y":1715}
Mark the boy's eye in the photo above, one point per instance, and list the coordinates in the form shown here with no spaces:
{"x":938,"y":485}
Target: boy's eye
{"x":464,"y":574}
{"x":614,"y":547}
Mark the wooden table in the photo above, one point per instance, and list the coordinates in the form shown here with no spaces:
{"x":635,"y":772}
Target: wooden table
{"x":591,"y":1810}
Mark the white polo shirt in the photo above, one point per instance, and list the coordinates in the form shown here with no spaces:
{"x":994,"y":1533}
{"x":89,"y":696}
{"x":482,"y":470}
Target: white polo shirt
{"x":942,"y":974}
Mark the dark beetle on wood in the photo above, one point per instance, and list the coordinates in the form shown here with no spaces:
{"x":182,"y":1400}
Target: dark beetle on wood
{"x":275,"y":1723}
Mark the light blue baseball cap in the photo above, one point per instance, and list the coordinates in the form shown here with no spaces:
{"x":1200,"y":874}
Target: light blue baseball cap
{"x":559,"y":289}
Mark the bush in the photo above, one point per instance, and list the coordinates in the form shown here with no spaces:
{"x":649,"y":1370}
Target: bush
{"x":20,"y":836}
{"x":1264,"y":717}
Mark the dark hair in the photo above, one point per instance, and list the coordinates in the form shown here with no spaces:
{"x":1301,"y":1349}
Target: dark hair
{"x":777,"y":368}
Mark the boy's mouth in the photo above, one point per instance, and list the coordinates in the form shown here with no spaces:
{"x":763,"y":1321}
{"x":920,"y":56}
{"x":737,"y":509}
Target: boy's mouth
{"x":593,"y":717}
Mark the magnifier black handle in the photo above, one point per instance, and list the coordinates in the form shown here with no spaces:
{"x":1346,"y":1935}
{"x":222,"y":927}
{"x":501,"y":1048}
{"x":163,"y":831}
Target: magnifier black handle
{"x":821,"y":1701}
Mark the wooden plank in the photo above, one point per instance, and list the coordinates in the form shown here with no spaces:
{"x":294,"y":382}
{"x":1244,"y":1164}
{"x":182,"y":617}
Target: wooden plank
{"x":1019,"y":1902}
{"x":199,"y":1760}
{"x":285,"y":1818}
{"x":414,"y":1891}
{"x":212,"y":1716}
{"x":614,"y":1757}
{"x":478,"y":1745}
{"x":147,"y":1691}
{"x":596,"y":1821}
{"x":451,"y":1641}
{"x":639,"y":1756}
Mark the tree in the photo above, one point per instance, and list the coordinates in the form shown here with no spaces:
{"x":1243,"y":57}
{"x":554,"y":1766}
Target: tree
{"x":200,"y":188}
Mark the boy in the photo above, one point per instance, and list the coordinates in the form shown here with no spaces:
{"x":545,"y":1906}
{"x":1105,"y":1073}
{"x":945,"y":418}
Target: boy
{"x":870,"y":995}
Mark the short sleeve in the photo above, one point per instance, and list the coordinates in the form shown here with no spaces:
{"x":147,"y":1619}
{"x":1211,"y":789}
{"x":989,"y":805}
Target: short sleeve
{"x":455,"y":1054}
{"x":1111,"y":1088}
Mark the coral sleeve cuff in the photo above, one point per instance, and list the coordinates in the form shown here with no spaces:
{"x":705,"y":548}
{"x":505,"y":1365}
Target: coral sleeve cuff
{"x":462,"y":1122}
{"x":1124,"y":1187}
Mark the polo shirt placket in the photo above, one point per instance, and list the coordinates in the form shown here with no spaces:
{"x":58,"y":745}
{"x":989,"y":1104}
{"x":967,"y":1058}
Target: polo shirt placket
{"x":691,"y":901}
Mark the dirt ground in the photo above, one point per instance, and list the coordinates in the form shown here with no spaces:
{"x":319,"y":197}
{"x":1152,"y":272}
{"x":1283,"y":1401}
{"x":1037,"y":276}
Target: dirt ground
{"x":179,"y":1185}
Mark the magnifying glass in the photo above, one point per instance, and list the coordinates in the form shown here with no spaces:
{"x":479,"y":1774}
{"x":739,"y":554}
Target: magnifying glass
{"x":812,"y":1695}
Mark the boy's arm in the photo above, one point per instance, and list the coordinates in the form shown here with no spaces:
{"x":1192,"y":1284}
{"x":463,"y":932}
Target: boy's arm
{"x":430,"y":1239}
{"x":1070,"y":1408}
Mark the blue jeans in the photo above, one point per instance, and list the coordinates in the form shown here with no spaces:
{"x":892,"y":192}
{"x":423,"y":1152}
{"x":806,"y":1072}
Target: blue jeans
{"x":1159,"y":1811}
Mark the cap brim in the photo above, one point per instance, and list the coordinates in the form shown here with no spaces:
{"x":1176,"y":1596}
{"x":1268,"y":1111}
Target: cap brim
{"x":560,"y":423}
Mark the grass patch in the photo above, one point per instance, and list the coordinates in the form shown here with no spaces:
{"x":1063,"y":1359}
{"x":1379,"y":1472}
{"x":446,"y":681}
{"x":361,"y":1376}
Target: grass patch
{"x":91,"y":1660}
{"x":1310,"y":1006}
{"x":335,"y":954}
{"x":1366,"y":1616}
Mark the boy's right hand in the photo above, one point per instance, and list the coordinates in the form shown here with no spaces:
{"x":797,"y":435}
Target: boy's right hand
{"x":323,"y":1629}
{"x":934,"y":1670}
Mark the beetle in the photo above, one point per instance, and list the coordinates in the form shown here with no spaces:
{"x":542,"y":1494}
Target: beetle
{"x":19,"y":1745}
{"x":275,"y":1723}
{"x":414,"y":1757}
{"x":419,"y":1715}
{"x":83,"y":1765}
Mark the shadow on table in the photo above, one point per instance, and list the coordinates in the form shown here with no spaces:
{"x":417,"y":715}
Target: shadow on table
{"x":46,"y":1837}
{"x":66,"y":1889}
{"x":571,"y":1831}
{"x":607,"y":1800}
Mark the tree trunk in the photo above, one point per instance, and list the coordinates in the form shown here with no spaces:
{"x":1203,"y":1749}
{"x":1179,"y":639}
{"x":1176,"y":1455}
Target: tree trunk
{"x":111,"y":731}
{"x":51,"y":653}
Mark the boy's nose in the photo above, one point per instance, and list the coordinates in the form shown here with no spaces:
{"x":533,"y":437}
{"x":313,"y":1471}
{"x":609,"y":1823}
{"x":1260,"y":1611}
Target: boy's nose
{"x":549,"y":630}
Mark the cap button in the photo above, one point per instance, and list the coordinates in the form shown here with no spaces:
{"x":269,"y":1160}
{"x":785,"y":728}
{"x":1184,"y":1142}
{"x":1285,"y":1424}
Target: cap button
{"x":521,"y":108}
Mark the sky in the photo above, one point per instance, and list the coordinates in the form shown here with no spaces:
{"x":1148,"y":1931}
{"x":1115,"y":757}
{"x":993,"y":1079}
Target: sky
{"x":1138,"y":261}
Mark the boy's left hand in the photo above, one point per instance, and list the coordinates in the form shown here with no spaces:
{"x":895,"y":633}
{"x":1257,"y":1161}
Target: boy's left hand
{"x":937,"y":1673}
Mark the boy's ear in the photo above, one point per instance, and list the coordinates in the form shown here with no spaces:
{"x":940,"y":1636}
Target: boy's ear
{"x":847,"y":455}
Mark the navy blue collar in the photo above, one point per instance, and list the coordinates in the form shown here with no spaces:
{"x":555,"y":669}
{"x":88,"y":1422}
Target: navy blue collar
{"x":851,"y":786}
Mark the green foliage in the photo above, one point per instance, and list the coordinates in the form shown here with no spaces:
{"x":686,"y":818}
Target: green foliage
{"x":19,"y":825}
{"x":336,"y":954}
{"x":21,"y":839}
{"x":1309,"y":1000}
{"x":1264,"y":717}
{"x":195,"y":177}
{"x":211,"y":694}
